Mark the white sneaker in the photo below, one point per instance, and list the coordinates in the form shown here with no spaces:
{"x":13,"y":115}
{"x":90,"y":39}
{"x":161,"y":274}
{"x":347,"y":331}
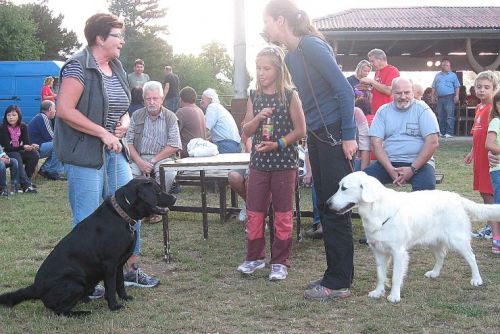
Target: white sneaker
{"x":448,"y":135}
{"x":248,"y":267}
{"x":484,"y":232}
{"x":243,"y":215}
{"x":278,"y":272}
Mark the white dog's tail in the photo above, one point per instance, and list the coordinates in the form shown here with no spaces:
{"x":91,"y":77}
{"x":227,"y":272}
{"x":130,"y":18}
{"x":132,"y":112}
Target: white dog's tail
{"x":481,"y":212}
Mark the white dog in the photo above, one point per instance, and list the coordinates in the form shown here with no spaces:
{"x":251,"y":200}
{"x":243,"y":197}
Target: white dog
{"x":394,"y":222}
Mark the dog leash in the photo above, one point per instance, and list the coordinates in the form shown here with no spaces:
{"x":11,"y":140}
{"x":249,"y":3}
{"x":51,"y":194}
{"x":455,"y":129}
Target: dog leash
{"x":123,"y":214}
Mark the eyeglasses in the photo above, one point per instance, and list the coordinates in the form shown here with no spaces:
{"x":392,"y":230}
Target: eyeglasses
{"x":120,"y":36}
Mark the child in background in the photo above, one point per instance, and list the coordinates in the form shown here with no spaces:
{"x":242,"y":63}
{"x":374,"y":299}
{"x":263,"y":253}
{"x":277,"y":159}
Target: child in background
{"x":493,"y":145}
{"x":273,"y":162}
{"x":15,"y":141}
{"x":5,"y":162}
{"x":486,"y":84}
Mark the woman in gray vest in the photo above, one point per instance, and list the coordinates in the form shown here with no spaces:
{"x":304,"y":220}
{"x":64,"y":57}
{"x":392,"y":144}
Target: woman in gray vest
{"x":92,"y":119}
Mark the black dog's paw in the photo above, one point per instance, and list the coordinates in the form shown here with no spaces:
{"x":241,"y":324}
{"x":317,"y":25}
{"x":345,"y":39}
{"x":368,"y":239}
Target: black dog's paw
{"x":85,"y":299}
{"x":115,"y":307}
{"x":126,"y":297}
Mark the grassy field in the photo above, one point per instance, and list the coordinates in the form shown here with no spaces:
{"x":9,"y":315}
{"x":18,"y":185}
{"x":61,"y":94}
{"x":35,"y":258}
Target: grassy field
{"x":201,"y":292}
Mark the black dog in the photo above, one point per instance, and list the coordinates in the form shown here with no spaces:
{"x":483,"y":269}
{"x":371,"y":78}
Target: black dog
{"x":96,"y":249}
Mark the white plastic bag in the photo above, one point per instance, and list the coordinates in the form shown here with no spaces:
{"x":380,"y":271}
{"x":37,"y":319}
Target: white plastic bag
{"x":198,"y":147}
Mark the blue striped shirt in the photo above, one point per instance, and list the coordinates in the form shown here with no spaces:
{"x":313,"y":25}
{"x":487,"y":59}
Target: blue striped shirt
{"x":118,"y":101}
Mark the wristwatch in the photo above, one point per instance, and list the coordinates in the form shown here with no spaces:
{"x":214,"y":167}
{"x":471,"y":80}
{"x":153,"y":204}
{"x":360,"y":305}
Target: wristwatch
{"x":413,"y":170}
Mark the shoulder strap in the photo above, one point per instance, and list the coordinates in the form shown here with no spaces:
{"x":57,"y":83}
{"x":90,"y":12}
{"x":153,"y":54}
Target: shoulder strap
{"x":334,"y":141}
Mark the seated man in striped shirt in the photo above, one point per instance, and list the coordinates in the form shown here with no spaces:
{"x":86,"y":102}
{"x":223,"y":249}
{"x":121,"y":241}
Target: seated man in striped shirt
{"x":153,"y":136}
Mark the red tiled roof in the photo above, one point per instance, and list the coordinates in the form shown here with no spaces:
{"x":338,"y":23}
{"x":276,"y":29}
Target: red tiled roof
{"x":411,"y":18}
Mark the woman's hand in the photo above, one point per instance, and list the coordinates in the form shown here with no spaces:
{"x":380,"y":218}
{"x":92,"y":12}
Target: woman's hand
{"x":350,"y":148}
{"x":120,"y":130}
{"x":28,"y":148}
{"x":112,"y":142}
{"x":266,"y":146}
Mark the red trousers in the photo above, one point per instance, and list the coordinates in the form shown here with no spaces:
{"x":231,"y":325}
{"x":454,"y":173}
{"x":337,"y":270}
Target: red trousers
{"x":262,"y":187}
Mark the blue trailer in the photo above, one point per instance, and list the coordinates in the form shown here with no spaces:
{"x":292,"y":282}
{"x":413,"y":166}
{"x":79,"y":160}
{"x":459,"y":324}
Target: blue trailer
{"x":21,"y":83}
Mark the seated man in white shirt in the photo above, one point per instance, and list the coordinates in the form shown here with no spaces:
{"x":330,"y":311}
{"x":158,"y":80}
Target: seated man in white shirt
{"x":220,"y":123}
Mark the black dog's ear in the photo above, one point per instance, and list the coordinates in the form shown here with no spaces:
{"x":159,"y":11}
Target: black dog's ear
{"x":146,"y":192}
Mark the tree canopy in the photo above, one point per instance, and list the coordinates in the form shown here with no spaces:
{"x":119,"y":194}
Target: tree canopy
{"x":58,"y":42}
{"x":142,"y":35}
{"x":18,"y":40}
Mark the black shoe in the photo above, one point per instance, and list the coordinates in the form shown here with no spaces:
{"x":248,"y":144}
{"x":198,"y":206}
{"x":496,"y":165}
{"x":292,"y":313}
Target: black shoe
{"x":29,"y":190}
{"x":315,"y":232}
{"x":49,"y":176}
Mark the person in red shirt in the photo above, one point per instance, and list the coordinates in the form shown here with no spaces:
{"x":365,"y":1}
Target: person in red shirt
{"x":381,"y":83}
{"x":47,"y":93}
{"x":486,"y":85}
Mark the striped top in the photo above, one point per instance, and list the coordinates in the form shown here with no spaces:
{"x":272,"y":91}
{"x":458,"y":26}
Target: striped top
{"x":118,"y":101}
{"x":154,"y":137}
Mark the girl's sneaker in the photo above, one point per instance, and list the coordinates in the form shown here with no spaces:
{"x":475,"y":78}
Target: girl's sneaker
{"x":4,"y":192}
{"x":248,"y":267}
{"x":278,"y":272}
{"x":484,"y":232}
{"x":495,"y":246}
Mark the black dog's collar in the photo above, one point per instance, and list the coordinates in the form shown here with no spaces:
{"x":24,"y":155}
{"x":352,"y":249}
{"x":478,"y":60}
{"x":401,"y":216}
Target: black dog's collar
{"x":122,"y":213}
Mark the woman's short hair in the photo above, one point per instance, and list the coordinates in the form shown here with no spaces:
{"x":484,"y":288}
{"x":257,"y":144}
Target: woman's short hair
{"x":100,"y":25}
{"x":15,"y":108}
{"x":188,"y":95}
{"x":152,"y":86}
{"x":361,"y":64}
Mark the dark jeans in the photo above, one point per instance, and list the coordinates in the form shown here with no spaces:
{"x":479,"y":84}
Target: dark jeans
{"x":172,"y":103}
{"x":329,"y":166}
{"x":425,"y":179}
{"x":28,"y":159}
{"x":446,"y":114}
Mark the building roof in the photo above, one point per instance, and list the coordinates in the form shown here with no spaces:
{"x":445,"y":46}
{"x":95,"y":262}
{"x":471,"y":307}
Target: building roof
{"x":412,"y":36}
{"x":411,"y":18}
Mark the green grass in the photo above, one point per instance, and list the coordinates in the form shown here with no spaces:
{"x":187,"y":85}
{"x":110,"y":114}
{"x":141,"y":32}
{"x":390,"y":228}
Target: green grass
{"x":202,"y":293}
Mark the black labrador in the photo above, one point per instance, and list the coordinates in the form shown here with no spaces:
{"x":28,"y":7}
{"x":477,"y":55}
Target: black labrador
{"x":96,"y":249}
